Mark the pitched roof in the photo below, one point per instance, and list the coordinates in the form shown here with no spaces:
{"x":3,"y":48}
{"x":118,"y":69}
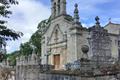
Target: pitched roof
{"x":110,"y":23}
{"x":113,"y":28}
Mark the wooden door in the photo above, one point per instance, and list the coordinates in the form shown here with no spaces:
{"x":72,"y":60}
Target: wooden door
{"x":56,"y":61}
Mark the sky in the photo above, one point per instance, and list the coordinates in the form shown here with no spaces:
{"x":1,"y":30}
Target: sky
{"x":29,"y":13}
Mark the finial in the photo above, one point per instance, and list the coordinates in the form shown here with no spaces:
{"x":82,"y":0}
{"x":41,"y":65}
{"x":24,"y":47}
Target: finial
{"x":76,"y":9}
{"x":109,"y":20}
{"x":76,"y":14}
{"x":76,"y":5}
{"x":97,"y":20}
{"x":85,"y":50}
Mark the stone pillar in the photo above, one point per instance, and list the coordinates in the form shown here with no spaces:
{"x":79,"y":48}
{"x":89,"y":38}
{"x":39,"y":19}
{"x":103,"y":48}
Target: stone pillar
{"x":75,"y":40}
{"x":100,"y":44}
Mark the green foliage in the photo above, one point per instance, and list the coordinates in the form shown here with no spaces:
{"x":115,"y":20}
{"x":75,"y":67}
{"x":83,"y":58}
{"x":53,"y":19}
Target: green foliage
{"x":6,"y":33}
{"x":7,"y":2}
{"x":12,"y":57}
{"x":36,"y":41}
{"x":25,"y":49}
{"x":43,"y":25}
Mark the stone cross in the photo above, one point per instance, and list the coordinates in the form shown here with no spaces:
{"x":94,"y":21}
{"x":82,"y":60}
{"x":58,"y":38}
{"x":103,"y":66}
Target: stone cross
{"x":97,"y":20}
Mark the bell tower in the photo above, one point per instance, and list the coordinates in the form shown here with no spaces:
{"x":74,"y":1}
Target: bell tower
{"x":58,"y":8}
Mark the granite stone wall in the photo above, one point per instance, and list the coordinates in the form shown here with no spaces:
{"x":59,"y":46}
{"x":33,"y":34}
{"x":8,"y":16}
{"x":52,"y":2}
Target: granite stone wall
{"x":42,"y":73}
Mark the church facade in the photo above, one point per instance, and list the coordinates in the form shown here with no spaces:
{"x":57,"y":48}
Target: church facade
{"x":63,"y":40}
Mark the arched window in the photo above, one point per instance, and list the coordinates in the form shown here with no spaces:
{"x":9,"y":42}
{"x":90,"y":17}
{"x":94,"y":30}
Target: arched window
{"x":58,"y":7}
{"x":55,"y":9}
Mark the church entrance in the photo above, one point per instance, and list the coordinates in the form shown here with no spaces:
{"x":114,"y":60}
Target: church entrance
{"x":56,"y":61}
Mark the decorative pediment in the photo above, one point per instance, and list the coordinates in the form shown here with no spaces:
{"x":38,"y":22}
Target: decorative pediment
{"x":56,"y":35}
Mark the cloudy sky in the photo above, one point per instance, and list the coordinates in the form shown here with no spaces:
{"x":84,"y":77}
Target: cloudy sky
{"x":29,"y":13}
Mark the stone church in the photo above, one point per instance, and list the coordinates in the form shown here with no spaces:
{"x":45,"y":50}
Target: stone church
{"x":63,"y":40}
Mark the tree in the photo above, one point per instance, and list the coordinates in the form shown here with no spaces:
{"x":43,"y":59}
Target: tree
{"x":43,"y":25}
{"x":25,"y":49}
{"x":6,"y":33}
{"x":9,"y":1}
{"x":12,"y":57}
{"x":36,"y":41}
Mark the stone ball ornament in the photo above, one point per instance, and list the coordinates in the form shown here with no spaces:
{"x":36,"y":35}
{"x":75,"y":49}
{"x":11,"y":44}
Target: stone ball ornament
{"x":85,"y":49}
